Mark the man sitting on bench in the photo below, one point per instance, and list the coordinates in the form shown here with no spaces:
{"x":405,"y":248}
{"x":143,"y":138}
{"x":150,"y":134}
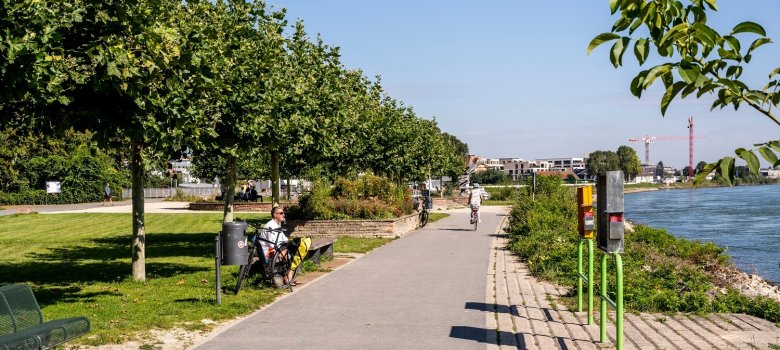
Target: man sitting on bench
{"x":270,"y":233}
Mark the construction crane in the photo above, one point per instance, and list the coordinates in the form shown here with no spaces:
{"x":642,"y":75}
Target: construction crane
{"x":690,"y":147}
{"x":650,"y":139}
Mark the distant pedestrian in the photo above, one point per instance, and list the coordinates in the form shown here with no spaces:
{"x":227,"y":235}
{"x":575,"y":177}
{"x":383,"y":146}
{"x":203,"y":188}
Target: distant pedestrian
{"x":107,"y":195}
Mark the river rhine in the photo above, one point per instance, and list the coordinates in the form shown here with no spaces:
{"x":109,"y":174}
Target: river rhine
{"x":743,"y":219}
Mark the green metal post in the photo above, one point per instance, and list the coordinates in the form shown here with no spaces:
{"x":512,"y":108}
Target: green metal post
{"x":603,"y":323}
{"x":590,"y":281}
{"x":619,"y":301}
{"x":579,"y":277}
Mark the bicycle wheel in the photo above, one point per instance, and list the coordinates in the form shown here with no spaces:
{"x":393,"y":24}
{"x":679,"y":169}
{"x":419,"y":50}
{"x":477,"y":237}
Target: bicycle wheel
{"x":279,"y":267}
{"x":243,"y":271}
{"x":474,"y":219}
{"x":423,"y":218}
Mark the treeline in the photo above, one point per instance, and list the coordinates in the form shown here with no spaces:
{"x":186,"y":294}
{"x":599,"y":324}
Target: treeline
{"x":230,"y":82}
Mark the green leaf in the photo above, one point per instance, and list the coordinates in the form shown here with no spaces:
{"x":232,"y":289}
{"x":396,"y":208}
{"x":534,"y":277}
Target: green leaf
{"x":600,"y":39}
{"x":705,"y":89}
{"x":774,"y":72}
{"x":758,"y":42}
{"x":702,"y":175}
{"x":655,"y":72}
{"x":711,"y":4}
{"x":672,"y":35}
{"x":748,"y":27}
{"x":616,"y":55}
{"x":613,"y":6}
{"x":734,"y":71}
{"x":752,"y":160}
{"x":689,"y":75}
{"x":724,"y":168}
{"x":112,"y":70}
{"x":687,"y":90}
{"x":739,"y":151}
{"x":669,"y":95}
{"x":775,"y":145}
{"x":767,"y":153}
{"x":641,"y":50}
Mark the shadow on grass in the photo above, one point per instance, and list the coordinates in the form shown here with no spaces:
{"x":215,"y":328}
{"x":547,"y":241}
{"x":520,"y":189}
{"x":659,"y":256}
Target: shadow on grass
{"x":61,"y":274}
{"x":158,"y":245}
{"x":104,"y":260}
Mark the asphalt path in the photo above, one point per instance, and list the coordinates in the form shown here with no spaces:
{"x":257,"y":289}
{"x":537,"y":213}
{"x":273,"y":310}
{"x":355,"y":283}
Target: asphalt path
{"x":425,"y":290}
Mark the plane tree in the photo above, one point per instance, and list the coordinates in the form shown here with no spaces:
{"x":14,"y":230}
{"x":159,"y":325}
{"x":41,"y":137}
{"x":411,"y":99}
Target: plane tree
{"x":120,"y":69}
{"x":695,"y":58}
{"x":243,"y":48}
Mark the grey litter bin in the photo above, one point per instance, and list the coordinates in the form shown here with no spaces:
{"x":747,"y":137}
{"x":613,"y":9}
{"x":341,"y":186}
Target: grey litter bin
{"x":428,"y":201}
{"x":234,"y":249}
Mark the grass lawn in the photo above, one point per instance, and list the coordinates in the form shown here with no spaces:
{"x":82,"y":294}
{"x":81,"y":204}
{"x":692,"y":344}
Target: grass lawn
{"x":79,"y":265}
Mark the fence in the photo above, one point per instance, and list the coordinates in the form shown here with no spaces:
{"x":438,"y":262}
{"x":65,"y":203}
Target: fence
{"x":170,"y":192}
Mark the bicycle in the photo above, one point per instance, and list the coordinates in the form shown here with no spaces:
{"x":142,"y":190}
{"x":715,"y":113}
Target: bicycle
{"x":474,"y":217}
{"x":423,"y":215}
{"x":272,"y":267}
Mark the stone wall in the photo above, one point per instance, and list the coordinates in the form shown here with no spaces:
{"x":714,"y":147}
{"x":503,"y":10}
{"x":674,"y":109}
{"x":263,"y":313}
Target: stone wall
{"x":355,"y":228}
{"x":449,"y":202}
{"x":238,"y":206}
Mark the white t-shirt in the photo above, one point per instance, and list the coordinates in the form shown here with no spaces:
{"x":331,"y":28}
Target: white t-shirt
{"x":475,"y":198}
{"x":266,"y":233}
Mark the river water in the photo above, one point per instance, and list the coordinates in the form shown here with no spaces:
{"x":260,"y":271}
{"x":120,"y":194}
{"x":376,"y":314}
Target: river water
{"x":743,"y":219}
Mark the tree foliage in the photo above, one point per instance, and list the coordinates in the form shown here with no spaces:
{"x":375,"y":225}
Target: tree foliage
{"x":695,"y":59}
{"x":629,"y":162}
{"x":602,"y":161}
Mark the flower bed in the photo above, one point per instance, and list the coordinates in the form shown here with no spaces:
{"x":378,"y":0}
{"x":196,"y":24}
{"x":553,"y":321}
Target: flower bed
{"x":355,"y":228}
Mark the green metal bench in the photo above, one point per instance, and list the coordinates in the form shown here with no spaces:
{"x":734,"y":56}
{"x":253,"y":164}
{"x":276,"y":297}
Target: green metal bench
{"x":22,"y":326}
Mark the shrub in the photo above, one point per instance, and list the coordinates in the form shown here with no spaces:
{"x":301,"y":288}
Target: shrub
{"x":662,"y":273}
{"x":368,"y":197}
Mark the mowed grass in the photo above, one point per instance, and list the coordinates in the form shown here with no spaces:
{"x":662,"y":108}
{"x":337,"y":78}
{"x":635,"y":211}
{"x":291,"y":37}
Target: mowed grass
{"x":79,"y":265}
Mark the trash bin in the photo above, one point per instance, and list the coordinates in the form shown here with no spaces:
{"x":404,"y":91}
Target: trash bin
{"x":234,"y":249}
{"x":426,"y":194}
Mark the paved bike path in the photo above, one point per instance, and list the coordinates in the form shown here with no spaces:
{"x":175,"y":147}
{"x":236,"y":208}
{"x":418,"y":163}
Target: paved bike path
{"x":423,"y":291}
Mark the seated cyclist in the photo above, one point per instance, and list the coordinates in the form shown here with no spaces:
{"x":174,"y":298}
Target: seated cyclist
{"x":270,"y":233}
{"x":475,"y":200}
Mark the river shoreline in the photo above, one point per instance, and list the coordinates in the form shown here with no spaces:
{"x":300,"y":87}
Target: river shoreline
{"x":749,"y":284}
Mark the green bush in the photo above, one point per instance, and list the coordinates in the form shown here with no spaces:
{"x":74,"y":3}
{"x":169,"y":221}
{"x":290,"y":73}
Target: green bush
{"x":505,"y":193}
{"x":662,"y":273}
{"x":367,"y":197}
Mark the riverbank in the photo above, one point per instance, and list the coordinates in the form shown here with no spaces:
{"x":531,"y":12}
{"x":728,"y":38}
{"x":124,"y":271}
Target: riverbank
{"x":663,"y":272}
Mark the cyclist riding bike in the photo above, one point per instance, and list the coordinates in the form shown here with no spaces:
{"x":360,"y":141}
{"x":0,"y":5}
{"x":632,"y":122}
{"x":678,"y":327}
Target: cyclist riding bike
{"x":475,"y":200}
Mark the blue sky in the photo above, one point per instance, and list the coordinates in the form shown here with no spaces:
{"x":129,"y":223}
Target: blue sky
{"x":512,"y":78}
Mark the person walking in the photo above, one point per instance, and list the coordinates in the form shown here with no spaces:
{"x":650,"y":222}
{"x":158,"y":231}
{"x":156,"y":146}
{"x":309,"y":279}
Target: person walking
{"x":107,"y":195}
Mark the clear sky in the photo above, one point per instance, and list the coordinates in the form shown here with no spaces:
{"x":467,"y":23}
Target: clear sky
{"x":512,"y":78}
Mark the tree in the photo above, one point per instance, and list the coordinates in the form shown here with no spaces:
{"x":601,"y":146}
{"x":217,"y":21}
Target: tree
{"x":601,"y":161}
{"x":705,"y":62}
{"x":700,"y":167}
{"x":629,"y":162}
{"x":120,"y":69}
{"x":659,"y":170}
{"x":489,"y":176}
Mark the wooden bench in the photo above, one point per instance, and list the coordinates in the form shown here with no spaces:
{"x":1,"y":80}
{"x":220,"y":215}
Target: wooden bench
{"x":320,"y":247}
{"x":22,"y":326}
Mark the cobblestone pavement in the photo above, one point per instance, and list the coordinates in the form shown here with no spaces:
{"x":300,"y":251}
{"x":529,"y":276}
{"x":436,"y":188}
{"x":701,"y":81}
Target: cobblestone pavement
{"x":524,"y":315}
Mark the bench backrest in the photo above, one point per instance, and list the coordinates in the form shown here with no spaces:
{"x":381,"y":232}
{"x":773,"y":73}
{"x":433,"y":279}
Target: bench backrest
{"x":18,"y":308}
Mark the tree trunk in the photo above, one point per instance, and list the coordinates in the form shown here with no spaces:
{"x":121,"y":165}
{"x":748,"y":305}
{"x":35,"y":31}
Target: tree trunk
{"x":275,"y":178}
{"x":230,"y":188}
{"x":139,"y":236}
{"x":289,"y":191}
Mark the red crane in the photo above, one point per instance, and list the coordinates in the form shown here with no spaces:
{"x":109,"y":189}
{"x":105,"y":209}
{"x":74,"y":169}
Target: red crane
{"x":690,"y":147}
{"x":650,"y":139}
